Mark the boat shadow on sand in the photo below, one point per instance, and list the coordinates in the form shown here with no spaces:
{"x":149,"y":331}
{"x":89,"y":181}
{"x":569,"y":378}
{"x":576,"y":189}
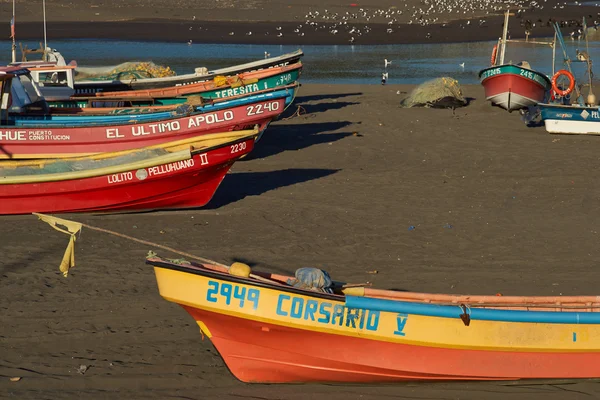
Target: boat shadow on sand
{"x":305,"y":105}
{"x":240,"y":185}
{"x":307,"y":109}
{"x":317,"y":97}
{"x":280,"y":138}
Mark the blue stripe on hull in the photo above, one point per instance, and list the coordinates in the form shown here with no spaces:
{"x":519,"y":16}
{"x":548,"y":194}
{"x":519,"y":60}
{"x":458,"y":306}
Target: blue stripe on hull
{"x":432,"y":310}
{"x":63,"y":121}
{"x":569,"y":113}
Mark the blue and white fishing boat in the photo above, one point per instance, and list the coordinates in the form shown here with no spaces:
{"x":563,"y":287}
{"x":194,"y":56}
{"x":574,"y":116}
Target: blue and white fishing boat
{"x":581,"y":118}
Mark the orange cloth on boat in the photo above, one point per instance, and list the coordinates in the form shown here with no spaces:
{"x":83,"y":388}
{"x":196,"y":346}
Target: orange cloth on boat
{"x":68,"y":260}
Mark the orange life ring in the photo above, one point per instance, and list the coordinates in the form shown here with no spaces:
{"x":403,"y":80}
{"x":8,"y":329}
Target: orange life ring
{"x":571,"y":82}
{"x":494,"y":52}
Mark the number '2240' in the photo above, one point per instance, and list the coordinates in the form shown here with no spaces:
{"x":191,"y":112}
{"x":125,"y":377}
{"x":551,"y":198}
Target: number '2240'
{"x":260,"y":108}
{"x":231,"y":293}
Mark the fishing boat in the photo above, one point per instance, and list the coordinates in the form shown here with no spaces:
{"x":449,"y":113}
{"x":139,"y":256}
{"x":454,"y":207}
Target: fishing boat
{"x":560,"y":115}
{"x":112,"y":82}
{"x":56,"y":83}
{"x":200,"y":75}
{"x":27,"y":133}
{"x":570,"y":119}
{"x":271,"y":328}
{"x":160,"y":177}
{"x":513,"y":86}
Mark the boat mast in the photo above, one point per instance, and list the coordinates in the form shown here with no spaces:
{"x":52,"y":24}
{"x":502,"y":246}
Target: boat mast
{"x":504,"y":34}
{"x":45,"y":42}
{"x":12,"y":33}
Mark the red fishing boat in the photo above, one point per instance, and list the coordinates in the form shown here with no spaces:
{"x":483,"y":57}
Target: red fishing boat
{"x":64,"y":141}
{"x":271,"y":328}
{"x":513,"y":86}
{"x":145,"y":179}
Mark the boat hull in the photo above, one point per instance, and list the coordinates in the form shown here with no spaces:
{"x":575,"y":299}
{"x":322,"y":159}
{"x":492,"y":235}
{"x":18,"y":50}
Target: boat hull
{"x":271,"y":335}
{"x":62,"y":142}
{"x":570,"y":119}
{"x":245,"y":84}
{"x":87,"y":87}
{"x":187,"y":183}
{"x":512,"y":87}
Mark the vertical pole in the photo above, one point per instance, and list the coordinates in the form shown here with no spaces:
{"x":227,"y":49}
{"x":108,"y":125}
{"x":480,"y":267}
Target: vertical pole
{"x":45,"y":42}
{"x":504,"y":34}
{"x":554,"y":54}
{"x":14,"y":44}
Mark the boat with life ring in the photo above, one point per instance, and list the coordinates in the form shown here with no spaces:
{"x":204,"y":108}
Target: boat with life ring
{"x":570,"y":114}
{"x":512,"y":86}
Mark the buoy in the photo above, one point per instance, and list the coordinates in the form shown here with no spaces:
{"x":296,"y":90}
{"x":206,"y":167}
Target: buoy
{"x":591,"y":99}
{"x":494,"y":53}
{"x":563,"y":92}
{"x":240,"y":269}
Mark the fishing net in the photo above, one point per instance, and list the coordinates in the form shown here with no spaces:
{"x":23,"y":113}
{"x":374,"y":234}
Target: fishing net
{"x":61,"y":166}
{"x":437,"y":93}
{"x":125,"y":71}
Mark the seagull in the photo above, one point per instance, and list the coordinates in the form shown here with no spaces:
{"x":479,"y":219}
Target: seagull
{"x":190,"y":42}
{"x":280,"y":34}
{"x":386,"y":62}
{"x":278,"y":28}
{"x":231,"y":33}
{"x":249,"y":33}
{"x":462,"y":65}
{"x":267,"y":55}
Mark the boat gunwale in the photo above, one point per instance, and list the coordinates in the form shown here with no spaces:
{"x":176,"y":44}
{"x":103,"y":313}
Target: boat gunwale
{"x":202,"y":270}
{"x":220,"y":71}
{"x":584,"y":304}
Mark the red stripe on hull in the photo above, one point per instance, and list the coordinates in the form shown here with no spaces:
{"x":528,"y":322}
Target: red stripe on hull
{"x":266,"y":353}
{"x":503,"y":83}
{"x":185,"y":188}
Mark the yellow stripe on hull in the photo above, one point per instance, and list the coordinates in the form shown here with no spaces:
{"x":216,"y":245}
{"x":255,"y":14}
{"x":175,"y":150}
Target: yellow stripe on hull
{"x":324,"y":315}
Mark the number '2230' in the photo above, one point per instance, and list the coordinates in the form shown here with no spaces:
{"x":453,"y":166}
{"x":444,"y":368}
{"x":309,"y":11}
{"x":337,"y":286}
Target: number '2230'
{"x":217,"y":292}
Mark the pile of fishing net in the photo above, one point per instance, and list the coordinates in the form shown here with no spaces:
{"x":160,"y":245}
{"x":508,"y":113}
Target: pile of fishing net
{"x":437,"y":93}
{"x":125,"y":71}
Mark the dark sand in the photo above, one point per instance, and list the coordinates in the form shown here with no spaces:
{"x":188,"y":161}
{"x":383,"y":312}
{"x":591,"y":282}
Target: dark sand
{"x":336,"y":188}
{"x":228,"y":21}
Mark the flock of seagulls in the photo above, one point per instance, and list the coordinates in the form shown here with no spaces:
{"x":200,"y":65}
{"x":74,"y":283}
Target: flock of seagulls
{"x":358,"y":22}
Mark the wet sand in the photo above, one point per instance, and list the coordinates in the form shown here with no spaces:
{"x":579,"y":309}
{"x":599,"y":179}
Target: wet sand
{"x":497,"y":208}
{"x":257,"y":21}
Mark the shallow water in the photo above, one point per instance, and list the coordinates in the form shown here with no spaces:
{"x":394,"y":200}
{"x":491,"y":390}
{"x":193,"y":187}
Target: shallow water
{"x":411,"y":63}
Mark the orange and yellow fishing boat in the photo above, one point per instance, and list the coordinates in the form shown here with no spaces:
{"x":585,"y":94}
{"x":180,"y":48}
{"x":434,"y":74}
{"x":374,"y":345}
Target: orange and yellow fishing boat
{"x":272,"y":328}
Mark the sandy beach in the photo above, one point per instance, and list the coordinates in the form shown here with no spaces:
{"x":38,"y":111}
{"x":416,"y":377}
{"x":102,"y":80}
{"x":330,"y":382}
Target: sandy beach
{"x":497,"y":207}
{"x":298,"y":22}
